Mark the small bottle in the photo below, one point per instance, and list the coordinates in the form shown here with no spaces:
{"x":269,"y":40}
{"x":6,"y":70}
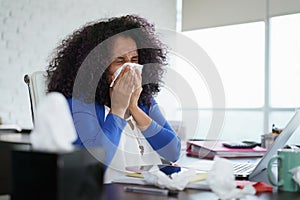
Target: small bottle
{"x":269,"y":139}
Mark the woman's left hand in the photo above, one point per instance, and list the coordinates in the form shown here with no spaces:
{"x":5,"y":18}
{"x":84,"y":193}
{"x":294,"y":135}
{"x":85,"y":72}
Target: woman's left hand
{"x":133,"y":104}
{"x":143,"y":121}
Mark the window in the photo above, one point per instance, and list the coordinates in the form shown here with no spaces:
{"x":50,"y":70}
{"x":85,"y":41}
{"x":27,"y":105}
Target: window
{"x":285,"y":61}
{"x":238,"y":52}
{"x":284,"y":70}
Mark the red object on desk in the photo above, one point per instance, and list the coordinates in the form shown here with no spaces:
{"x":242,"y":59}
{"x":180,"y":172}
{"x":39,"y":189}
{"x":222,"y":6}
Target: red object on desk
{"x":209,"y":149}
{"x":259,"y":186}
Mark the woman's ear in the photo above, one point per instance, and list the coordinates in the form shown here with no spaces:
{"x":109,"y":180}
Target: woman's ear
{"x":109,"y":78}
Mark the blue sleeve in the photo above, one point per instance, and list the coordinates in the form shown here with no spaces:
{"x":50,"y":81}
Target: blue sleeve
{"x":161,"y":136}
{"x":93,"y":130}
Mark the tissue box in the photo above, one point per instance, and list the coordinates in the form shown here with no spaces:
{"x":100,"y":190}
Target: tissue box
{"x":45,"y":175}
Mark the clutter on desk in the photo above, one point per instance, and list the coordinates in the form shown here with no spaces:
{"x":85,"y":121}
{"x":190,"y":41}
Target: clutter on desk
{"x":148,"y":190}
{"x":292,"y":146}
{"x":259,"y":186}
{"x":175,"y":181}
{"x":54,"y":129}
{"x":210,"y":149}
{"x":221,"y":181}
{"x":276,"y":130}
{"x":296,"y":174}
{"x":240,"y":145}
{"x":179,"y":180}
{"x":268,"y":138}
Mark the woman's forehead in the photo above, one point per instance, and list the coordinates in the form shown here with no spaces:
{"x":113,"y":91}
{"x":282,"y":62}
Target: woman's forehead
{"x":123,"y":45}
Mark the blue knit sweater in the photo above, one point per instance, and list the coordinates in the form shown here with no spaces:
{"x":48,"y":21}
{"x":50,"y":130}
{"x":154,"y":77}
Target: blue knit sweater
{"x":94,"y":130}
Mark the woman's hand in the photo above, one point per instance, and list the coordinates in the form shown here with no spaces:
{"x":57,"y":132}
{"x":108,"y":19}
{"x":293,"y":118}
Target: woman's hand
{"x":137,"y":86}
{"x":143,"y":121}
{"x":121,"y":93}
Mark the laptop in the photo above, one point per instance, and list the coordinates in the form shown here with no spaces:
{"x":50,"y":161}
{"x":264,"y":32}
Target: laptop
{"x":257,"y":172}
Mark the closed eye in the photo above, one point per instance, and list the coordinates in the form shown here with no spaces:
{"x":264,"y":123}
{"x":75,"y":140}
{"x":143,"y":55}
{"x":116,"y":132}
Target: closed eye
{"x":119,"y":60}
{"x":135,"y":59}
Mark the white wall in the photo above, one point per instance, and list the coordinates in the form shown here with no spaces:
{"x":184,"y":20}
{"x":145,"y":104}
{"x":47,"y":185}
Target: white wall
{"x":31,"y":29}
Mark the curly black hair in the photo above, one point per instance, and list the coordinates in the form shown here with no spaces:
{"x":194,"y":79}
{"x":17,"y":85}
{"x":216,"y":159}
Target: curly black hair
{"x":85,"y":54}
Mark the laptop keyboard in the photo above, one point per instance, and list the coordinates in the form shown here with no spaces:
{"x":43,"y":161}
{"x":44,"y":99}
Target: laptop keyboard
{"x":243,"y":168}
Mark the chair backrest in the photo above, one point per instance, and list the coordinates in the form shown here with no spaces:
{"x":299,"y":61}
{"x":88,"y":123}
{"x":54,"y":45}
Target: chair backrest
{"x":37,"y":87}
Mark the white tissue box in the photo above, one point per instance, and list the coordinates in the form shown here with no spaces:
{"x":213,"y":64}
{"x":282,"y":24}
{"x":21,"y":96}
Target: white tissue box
{"x":47,"y":175}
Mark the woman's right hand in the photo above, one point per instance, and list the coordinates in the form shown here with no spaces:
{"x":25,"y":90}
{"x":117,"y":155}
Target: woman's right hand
{"x":120,"y":93}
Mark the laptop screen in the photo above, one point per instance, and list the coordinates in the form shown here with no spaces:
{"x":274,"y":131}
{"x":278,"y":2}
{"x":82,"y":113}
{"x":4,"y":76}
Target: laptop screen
{"x":279,"y":143}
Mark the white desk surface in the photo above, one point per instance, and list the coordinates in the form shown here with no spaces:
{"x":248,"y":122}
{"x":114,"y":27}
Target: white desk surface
{"x":15,"y":137}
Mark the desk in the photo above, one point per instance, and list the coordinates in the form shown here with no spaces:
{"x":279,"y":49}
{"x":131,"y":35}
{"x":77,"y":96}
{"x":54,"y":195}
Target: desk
{"x":8,"y":142}
{"x":116,"y":191}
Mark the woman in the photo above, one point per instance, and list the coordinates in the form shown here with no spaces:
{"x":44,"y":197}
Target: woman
{"x":123,"y":119}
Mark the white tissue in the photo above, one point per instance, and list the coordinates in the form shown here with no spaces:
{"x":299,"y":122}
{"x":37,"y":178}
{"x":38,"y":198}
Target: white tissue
{"x":296,"y":174}
{"x":177,"y":181}
{"x":221,"y":181}
{"x":131,"y":65}
{"x":53,"y":129}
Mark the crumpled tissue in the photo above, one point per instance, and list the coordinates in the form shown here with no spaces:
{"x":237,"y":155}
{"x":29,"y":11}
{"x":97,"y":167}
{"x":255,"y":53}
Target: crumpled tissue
{"x":221,"y":181}
{"x":176,"y":181}
{"x":131,"y":65}
{"x":54,"y":128}
{"x":296,"y":174}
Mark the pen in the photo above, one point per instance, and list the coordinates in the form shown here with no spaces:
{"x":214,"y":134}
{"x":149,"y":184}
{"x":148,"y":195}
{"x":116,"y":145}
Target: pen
{"x":155,"y":191}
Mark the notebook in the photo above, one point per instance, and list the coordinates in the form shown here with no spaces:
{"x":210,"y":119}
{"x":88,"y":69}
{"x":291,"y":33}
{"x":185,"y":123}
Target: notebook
{"x":210,"y":149}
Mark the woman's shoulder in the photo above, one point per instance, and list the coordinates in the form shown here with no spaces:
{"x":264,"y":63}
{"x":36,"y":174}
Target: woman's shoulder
{"x":147,"y":108}
{"x":153,"y":101}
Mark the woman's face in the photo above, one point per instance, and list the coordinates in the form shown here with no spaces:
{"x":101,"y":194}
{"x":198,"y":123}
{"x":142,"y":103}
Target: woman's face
{"x":124,"y":50}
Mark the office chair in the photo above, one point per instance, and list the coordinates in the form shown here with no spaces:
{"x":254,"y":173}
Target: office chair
{"x":37,"y":87}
